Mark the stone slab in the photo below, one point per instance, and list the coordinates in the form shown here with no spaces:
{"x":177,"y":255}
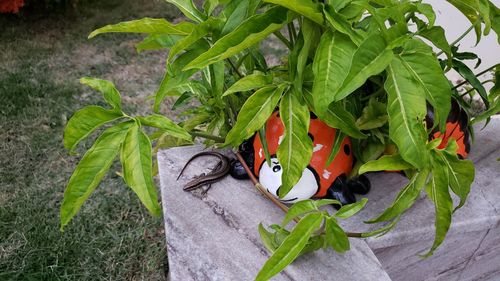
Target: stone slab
{"x":480,"y":213}
{"x":215,"y":237}
{"x":403,"y":264}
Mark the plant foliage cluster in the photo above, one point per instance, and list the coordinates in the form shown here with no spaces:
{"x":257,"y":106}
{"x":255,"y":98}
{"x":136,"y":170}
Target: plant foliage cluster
{"x":366,"y":67}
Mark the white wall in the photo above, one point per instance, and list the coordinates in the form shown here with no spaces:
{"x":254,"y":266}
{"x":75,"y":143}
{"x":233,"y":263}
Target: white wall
{"x":455,"y":23}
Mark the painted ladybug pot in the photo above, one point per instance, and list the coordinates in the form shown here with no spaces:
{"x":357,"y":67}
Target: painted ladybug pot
{"x":318,"y":180}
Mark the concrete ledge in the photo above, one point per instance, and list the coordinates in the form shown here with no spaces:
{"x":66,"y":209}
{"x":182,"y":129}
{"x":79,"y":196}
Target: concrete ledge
{"x":480,"y":213}
{"x":215,"y":237}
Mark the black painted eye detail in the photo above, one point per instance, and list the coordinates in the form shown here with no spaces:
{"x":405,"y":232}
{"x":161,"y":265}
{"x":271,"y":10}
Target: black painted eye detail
{"x":276,"y":168}
{"x":347,"y":149}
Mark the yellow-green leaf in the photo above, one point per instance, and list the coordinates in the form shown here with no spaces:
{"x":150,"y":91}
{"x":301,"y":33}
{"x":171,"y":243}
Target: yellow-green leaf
{"x":85,"y":121}
{"x":188,"y":9}
{"x":249,"y":33}
{"x":419,"y":60}
{"x":146,"y":25}
{"x":337,"y":117}
{"x":350,"y":210}
{"x":335,"y":236}
{"x":298,"y":209}
{"x":438,"y":192}
{"x":330,"y":67}
{"x":199,"y":31}
{"x":406,"y":107}
{"x":136,"y":161}
{"x":295,"y":151}
{"x":308,"y":8}
{"x":291,"y":247}
{"x":166,"y":125}
{"x":108,"y":89}
{"x":392,"y":162}
{"x":249,"y":82}
{"x":405,"y":198}
{"x":254,"y":114}
{"x":461,"y":173}
{"x":91,"y":169}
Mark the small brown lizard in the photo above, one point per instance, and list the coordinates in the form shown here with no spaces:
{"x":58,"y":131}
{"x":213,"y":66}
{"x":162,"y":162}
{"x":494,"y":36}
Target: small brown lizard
{"x":219,"y":171}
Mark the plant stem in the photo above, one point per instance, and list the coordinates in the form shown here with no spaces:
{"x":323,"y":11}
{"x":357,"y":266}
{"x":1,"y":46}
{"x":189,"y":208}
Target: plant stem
{"x":269,"y":196}
{"x":283,"y":39}
{"x":479,"y":74}
{"x":291,"y":32}
{"x":207,"y":136}
{"x":234,"y":67}
{"x":461,"y":36}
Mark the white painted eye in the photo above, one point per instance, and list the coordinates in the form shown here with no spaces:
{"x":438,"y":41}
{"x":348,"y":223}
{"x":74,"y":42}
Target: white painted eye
{"x":270,"y":178}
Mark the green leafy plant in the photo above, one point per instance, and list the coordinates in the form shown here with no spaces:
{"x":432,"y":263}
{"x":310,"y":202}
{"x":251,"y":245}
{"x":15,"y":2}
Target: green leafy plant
{"x":361,"y":66}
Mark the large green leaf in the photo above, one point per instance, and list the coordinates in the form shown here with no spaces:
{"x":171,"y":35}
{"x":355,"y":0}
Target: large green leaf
{"x":385,"y":163}
{"x":146,"y":25}
{"x":108,"y":89}
{"x":310,"y":34}
{"x":308,"y":8}
{"x":237,"y":12}
{"x":157,"y":42}
{"x":406,"y":107}
{"x":199,"y":31}
{"x":374,"y":115}
{"x":91,"y":169}
{"x":426,"y":10}
{"x":136,"y":161}
{"x":437,"y":36}
{"x":295,"y":151}
{"x":495,"y":20}
{"x":299,"y":209}
{"x":337,"y":117}
{"x":291,"y":246}
{"x":174,"y":77}
{"x":468,"y":75}
{"x":165,"y":124}
{"x":340,"y":23}
{"x":267,"y":238}
{"x":254,"y":114}
{"x":315,"y":243}
{"x":249,"y":82}
{"x":461,"y":172}
{"x":494,"y":109}
{"x":330,"y":66}
{"x":422,"y":64}
{"x":405,"y":198}
{"x":470,"y":9}
{"x":250,"y":32}
{"x":438,"y":192}
{"x":188,"y":9}
{"x":85,"y":121}
{"x":381,"y":231}
{"x":335,"y":236}
{"x":371,"y":58}
{"x":340,"y":67}
{"x":350,"y":210}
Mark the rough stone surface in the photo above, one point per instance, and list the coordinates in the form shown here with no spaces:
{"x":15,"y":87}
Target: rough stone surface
{"x":215,"y":237}
{"x":480,"y":213}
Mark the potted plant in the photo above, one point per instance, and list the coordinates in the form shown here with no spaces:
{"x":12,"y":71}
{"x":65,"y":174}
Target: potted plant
{"x":366,"y":68}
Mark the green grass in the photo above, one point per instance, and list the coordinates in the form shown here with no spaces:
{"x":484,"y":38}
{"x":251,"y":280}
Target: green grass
{"x":113,"y":237}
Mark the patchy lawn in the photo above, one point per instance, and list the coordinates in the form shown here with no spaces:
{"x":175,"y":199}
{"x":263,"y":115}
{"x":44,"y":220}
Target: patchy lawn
{"x":41,"y":59}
